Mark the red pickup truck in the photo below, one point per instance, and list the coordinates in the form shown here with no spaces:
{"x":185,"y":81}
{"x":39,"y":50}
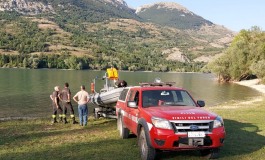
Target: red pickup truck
{"x":167,"y":118}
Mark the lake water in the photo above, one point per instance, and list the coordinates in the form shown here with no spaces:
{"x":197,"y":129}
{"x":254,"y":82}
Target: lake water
{"x":25,"y":92}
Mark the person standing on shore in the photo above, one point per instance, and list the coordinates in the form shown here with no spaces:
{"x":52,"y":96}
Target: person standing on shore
{"x":55,"y":104}
{"x":65,"y":96}
{"x":82,"y":98}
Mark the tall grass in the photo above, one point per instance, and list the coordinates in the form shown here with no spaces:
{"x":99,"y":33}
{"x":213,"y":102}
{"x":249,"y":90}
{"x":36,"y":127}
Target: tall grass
{"x":38,"y":139}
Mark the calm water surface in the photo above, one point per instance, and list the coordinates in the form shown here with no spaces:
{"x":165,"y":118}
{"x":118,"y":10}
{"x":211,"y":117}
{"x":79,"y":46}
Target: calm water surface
{"x":25,"y":92}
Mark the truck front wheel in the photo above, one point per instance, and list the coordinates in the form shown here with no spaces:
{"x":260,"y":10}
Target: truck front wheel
{"x":210,"y":153}
{"x":124,"y":132}
{"x":147,"y":152}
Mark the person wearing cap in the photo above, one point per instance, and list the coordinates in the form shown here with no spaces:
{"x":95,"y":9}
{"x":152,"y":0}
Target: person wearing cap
{"x":82,"y":98}
{"x":65,"y":97}
{"x":55,"y":104}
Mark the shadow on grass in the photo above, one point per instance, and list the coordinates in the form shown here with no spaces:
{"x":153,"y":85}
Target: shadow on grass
{"x":97,"y":150}
{"x":24,"y":137}
{"x":241,"y":139}
{"x":21,"y":131}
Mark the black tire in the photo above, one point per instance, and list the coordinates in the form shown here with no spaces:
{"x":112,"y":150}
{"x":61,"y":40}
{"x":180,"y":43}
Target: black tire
{"x":124,"y":132}
{"x":147,"y":152}
{"x":210,"y":153}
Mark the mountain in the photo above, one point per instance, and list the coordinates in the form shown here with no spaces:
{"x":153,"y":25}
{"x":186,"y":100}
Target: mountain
{"x":171,"y":14}
{"x":196,"y":27}
{"x":108,"y":31}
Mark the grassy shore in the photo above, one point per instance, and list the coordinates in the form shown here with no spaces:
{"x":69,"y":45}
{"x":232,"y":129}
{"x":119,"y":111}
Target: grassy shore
{"x":38,"y":139}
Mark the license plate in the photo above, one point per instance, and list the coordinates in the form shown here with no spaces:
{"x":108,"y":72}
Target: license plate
{"x":196,"y":134}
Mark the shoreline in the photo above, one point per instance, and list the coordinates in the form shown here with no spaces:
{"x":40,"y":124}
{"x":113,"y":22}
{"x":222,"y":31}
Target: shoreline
{"x":253,"y":83}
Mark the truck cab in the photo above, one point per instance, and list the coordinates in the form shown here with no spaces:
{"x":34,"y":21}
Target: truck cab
{"x":164,"y":117}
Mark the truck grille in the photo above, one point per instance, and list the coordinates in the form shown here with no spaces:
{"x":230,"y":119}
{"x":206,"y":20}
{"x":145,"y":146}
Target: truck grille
{"x":187,"y":126}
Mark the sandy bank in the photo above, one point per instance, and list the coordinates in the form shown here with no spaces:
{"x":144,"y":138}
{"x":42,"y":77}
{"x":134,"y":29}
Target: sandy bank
{"x":254,"y":83}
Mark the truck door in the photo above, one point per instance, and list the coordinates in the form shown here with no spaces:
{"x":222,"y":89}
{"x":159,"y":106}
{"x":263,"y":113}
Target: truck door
{"x":133,"y":112}
{"x":122,"y":105}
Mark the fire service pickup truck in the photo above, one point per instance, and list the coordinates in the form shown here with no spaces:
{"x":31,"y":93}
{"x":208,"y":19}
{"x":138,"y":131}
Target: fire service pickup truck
{"x":167,"y":118}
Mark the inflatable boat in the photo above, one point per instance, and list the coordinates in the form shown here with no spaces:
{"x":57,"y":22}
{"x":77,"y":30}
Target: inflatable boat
{"x":109,"y":94}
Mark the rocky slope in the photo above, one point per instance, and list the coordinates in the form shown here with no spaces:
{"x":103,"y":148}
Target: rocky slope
{"x":25,"y":7}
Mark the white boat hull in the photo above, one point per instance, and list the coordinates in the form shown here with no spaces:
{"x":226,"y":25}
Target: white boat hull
{"x":108,"y":98}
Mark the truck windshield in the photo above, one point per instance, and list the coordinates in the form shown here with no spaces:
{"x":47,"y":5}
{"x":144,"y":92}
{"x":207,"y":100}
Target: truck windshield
{"x":166,"y":98}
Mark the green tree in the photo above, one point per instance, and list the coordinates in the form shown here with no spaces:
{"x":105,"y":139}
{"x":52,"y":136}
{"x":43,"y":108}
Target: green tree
{"x":35,"y":63}
{"x":247,"y":48}
{"x":259,"y":69}
{"x":25,"y":63}
{"x":71,"y":62}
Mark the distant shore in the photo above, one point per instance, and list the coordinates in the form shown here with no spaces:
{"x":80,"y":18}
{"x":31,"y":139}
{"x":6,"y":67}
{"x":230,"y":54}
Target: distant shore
{"x":254,"y":83}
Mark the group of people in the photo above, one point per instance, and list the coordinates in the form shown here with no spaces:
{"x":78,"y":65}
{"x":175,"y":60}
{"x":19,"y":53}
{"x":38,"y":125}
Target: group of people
{"x":64,"y":96}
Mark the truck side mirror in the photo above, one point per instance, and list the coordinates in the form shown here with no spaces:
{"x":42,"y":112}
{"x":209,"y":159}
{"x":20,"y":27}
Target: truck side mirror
{"x":132,"y":104}
{"x":201,"y":103}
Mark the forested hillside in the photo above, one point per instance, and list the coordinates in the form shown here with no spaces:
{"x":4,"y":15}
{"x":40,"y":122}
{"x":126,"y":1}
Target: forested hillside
{"x":79,"y":34}
{"x":244,"y":59}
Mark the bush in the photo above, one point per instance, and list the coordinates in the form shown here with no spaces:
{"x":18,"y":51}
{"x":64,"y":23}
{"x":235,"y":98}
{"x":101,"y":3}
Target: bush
{"x":258,"y":69}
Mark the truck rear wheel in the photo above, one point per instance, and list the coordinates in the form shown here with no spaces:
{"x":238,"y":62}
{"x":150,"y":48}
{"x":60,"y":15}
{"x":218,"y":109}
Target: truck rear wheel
{"x":147,"y":152}
{"x":210,"y":153}
{"x":124,"y":132}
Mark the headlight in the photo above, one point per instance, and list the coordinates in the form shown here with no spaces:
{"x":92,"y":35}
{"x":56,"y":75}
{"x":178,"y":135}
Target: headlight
{"x":218,"y":122}
{"x":161,"y":123}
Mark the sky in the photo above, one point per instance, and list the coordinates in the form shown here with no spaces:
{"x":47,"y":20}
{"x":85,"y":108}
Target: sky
{"x":233,"y":14}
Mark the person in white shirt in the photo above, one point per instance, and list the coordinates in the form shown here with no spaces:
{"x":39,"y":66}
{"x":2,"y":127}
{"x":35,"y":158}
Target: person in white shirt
{"x":82,"y":98}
